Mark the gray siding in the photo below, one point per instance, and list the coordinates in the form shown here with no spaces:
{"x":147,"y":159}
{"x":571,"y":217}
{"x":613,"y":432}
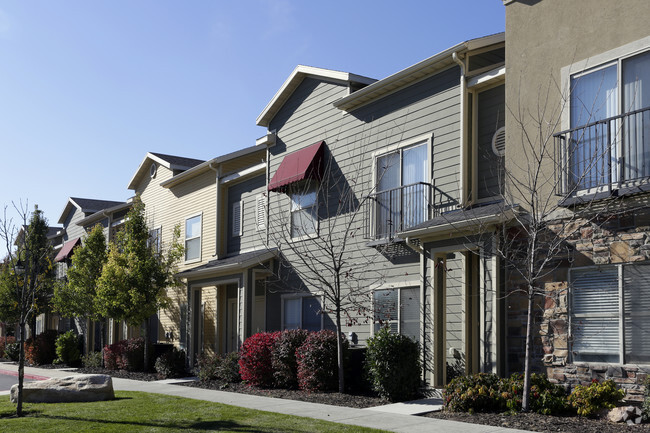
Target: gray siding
{"x":427,"y":108}
{"x":245,"y":192}
{"x":491,"y":117}
{"x":72,"y":230}
{"x":454,"y":311}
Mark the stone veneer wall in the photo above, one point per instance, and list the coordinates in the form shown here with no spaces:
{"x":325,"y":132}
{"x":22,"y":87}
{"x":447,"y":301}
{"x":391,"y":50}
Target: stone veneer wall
{"x":624,"y":239}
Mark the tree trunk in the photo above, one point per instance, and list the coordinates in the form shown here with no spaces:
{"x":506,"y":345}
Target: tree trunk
{"x":339,"y":351}
{"x":21,"y":370}
{"x":525,"y":400}
{"x":146,"y":344}
{"x":102,"y":339}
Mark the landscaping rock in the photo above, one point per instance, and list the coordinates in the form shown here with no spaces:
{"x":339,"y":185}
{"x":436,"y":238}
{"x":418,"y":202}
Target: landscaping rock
{"x":626,"y":414}
{"x":87,"y":387}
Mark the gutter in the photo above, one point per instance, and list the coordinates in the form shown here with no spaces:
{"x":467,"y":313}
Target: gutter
{"x":463,"y":145}
{"x":217,"y":171}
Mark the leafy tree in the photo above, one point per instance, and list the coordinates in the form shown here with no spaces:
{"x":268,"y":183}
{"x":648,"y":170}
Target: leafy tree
{"x":133,"y":282}
{"x":76,"y":297}
{"x":28,"y":279}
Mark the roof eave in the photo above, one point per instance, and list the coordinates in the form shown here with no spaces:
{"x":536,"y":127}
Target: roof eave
{"x":413,"y":73}
{"x":244,"y":264}
{"x":141,"y":167}
{"x":204,"y":166}
{"x":485,"y":221}
{"x":294,"y":80}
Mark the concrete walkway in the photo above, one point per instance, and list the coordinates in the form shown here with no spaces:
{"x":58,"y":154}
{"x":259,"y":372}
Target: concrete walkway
{"x":393,"y":417}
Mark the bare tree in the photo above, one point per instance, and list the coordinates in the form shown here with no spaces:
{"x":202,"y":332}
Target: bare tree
{"x":321,"y":244}
{"x":30,"y":269}
{"x":538,"y":238}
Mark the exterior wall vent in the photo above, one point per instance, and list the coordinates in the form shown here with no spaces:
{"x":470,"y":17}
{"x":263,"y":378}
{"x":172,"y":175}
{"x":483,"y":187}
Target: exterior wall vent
{"x":499,"y":142}
{"x":152,"y":170}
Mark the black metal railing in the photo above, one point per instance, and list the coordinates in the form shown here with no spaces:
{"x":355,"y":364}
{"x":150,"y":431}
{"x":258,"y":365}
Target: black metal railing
{"x":391,"y":211}
{"x":604,"y":155}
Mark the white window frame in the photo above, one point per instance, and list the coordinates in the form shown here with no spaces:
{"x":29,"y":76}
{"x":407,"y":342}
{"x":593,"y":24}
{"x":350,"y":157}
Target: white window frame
{"x":158,"y":239}
{"x":237,"y":217}
{"x":398,"y":321}
{"x":426,"y":140}
{"x":200,"y":237}
{"x":301,"y":296}
{"x":304,"y":189}
{"x":621,"y":314}
{"x":612,"y":57}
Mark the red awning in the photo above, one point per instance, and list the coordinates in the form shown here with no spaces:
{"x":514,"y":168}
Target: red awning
{"x":306,"y":163}
{"x":66,"y":250}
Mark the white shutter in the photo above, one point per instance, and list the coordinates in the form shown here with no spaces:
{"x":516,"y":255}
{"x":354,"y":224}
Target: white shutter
{"x":637,"y":313}
{"x":260,"y":211}
{"x":595,"y":315}
{"x":237,"y":218}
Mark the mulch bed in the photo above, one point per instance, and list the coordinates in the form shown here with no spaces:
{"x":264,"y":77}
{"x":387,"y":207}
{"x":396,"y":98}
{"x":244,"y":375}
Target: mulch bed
{"x":358,"y":401}
{"x":541,"y":423}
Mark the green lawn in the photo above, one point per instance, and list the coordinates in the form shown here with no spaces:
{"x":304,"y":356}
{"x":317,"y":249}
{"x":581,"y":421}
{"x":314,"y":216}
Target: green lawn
{"x":139,"y":411}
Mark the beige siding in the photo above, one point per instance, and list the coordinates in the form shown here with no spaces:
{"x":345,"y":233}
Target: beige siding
{"x":168,"y":208}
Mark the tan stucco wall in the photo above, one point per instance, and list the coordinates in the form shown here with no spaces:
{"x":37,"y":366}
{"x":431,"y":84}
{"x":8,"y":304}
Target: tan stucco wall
{"x":542,"y":37}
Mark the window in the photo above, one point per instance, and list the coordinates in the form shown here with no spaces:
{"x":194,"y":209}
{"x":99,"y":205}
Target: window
{"x":304,"y":212}
{"x":237,"y":219}
{"x":193,"y":238}
{"x":399,"y":310}
{"x":155,"y":240}
{"x":609,"y":137}
{"x":302,"y":312}
{"x":401,"y":196}
{"x":606,"y":304}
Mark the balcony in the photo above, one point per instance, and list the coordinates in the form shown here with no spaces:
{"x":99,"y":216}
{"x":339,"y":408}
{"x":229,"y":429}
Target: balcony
{"x":398,"y":209}
{"x":606,"y":155}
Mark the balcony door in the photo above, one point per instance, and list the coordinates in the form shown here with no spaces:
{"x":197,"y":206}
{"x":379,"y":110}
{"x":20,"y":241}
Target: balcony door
{"x":401,"y":197}
{"x":610,"y":130}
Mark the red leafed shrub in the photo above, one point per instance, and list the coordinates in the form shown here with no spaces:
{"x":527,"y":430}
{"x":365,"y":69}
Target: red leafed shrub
{"x":42,"y":349}
{"x":125,"y":355}
{"x":3,"y":343}
{"x":285,"y":365}
{"x":255,"y":359}
{"x":317,"y":362}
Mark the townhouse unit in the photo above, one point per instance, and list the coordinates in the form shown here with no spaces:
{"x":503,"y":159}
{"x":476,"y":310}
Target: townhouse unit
{"x":392,"y":175}
{"x":578,"y":80}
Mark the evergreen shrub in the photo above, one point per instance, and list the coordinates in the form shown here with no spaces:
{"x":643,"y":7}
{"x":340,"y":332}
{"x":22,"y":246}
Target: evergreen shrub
{"x":393,"y":365}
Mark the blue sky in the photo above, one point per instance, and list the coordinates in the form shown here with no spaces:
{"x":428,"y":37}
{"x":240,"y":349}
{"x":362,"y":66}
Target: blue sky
{"x":87,"y":88}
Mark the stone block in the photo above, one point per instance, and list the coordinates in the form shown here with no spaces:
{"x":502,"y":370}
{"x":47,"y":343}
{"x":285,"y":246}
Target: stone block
{"x":561,"y":353}
{"x":628,"y":236}
{"x":620,"y":252}
{"x":86,"y":387}
{"x":637,"y":258}
{"x":614,"y":371}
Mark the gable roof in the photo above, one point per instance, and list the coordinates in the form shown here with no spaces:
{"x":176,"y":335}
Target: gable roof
{"x":414,"y":73}
{"x":85,"y":205}
{"x":103,"y":213}
{"x":171,"y":162}
{"x":297,"y":76}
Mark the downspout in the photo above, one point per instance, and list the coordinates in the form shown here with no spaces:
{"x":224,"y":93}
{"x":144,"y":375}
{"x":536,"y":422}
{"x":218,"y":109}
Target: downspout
{"x":463,"y":145}
{"x":217,"y":171}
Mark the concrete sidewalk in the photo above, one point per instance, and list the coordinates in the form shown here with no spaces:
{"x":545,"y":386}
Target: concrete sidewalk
{"x":388,"y":419}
